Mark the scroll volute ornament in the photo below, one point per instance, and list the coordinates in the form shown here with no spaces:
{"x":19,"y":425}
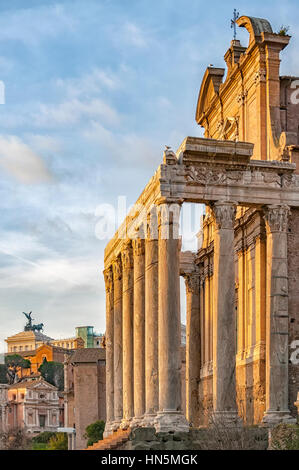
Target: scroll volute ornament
{"x":276,"y":217}
{"x":224,"y":215}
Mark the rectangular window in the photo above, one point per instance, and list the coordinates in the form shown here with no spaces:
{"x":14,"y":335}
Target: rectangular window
{"x":42,"y":421}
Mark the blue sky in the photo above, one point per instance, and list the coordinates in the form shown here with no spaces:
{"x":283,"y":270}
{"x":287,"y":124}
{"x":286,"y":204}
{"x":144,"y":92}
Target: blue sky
{"x":94,"y":90}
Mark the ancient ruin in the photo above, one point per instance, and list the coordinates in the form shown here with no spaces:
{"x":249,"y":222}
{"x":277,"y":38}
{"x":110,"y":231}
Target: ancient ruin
{"x":242,"y":284}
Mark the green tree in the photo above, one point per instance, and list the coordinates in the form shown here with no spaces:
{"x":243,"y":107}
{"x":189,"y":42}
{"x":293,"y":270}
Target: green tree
{"x":58,"y":442}
{"x":94,"y":432}
{"x":3,"y":374}
{"x":53,"y":372}
{"x":15,"y":362}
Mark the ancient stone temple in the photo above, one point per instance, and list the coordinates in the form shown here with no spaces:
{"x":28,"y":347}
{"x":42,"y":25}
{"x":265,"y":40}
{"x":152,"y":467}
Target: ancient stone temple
{"x":241,"y":286}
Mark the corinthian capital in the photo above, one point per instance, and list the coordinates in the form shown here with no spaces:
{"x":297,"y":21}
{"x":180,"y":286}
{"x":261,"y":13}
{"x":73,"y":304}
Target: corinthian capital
{"x":108,"y":278}
{"x":224,"y":214}
{"x":127,"y":256}
{"x":276,"y":218}
{"x":117,"y":269}
{"x":192,"y":282}
{"x":138,"y":246}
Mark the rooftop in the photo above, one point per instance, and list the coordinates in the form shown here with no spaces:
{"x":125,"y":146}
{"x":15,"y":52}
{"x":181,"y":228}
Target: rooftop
{"x":88,"y":355}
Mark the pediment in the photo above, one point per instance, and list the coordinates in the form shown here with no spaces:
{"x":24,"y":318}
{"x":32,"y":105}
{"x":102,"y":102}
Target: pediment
{"x":211,"y":82}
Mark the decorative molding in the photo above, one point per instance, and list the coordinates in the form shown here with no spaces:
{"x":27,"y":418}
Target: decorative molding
{"x":260,"y":76}
{"x":224,"y":215}
{"x":276,"y":218}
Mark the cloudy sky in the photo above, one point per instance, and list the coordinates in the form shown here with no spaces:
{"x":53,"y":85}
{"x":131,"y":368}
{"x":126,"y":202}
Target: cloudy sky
{"x":94,"y":89}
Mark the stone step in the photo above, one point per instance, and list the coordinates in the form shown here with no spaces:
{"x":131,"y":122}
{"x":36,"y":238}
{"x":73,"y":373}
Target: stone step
{"x":113,"y":441}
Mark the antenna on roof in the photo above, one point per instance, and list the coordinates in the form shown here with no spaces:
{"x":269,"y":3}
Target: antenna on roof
{"x":233,"y":22}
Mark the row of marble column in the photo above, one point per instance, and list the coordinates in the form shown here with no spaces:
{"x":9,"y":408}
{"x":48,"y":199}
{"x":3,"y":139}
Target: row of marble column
{"x":224,"y":321}
{"x":143,"y":383}
{"x":143,"y":326}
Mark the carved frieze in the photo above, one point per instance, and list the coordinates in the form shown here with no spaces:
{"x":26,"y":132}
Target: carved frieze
{"x":276,"y":217}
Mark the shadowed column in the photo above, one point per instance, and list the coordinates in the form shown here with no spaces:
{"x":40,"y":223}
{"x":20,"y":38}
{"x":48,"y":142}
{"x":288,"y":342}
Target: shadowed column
{"x":118,"y":347}
{"x":128,"y":376}
{"x":170,"y":416}
{"x":139,"y":325}
{"x":277,"y":316}
{"x":108,"y":276}
{"x":192,"y":347}
{"x":151,"y":320}
{"x":224,"y":321}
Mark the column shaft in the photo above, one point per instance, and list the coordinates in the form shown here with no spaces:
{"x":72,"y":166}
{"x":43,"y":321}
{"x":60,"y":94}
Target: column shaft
{"x":118,"y":347}
{"x":224,"y":321}
{"x":170,"y":415}
{"x":277,"y":408}
{"x":151,"y":327}
{"x":139,"y":329}
{"x":192,"y":347}
{"x":128,"y":398}
{"x":109,"y":339}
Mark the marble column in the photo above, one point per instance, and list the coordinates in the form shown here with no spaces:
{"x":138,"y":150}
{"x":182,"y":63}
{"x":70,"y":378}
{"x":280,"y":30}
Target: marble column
{"x":139,"y":331}
{"x":224,"y":321}
{"x":151,"y":321}
{"x":170,"y":416}
{"x":192,"y":347}
{"x":277,"y":319}
{"x":128,"y":376}
{"x":109,"y":339}
{"x":118,"y":346}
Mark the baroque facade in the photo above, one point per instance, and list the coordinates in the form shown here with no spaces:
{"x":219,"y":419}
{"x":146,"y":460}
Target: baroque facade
{"x":242,"y":284}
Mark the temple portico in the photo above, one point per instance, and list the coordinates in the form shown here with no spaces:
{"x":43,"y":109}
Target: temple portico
{"x":241,"y":299}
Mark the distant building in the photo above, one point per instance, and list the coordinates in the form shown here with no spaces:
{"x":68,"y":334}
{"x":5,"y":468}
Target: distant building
{"x":33,"y":405}
{"x":26,"y":341}
{"x":85,"y":390}
{"x":91,"y":339}
{"x":69,"y":343}
{"x":46,"y":352}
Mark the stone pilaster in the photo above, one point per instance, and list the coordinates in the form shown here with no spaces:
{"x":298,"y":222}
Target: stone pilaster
{"x":192,"y":282}
{"x":277,"y":408}
{"x":128,"y":376}
{"x":118,"y":346}
{"x":224,"y":321}
{"x":170,"y":416}
{"x":139,"y":331}
{"x":109,"y":339}
{"x":151,"y":321}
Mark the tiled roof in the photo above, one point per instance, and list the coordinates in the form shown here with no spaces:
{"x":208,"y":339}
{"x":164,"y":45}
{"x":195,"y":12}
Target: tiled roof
{"x":88,"y":355}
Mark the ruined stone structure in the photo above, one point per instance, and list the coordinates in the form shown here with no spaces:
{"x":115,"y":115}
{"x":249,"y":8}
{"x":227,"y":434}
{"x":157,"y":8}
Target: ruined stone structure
{"x":242,"y":284}
{"x":84,"y":390}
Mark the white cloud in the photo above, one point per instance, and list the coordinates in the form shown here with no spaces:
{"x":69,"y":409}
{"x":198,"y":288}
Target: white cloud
{"x":71,"y":112}
{"x":18,"y":159}
{"x":33,"y":24}
{"x":88,"y":84}
{"x":133,"y":35}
